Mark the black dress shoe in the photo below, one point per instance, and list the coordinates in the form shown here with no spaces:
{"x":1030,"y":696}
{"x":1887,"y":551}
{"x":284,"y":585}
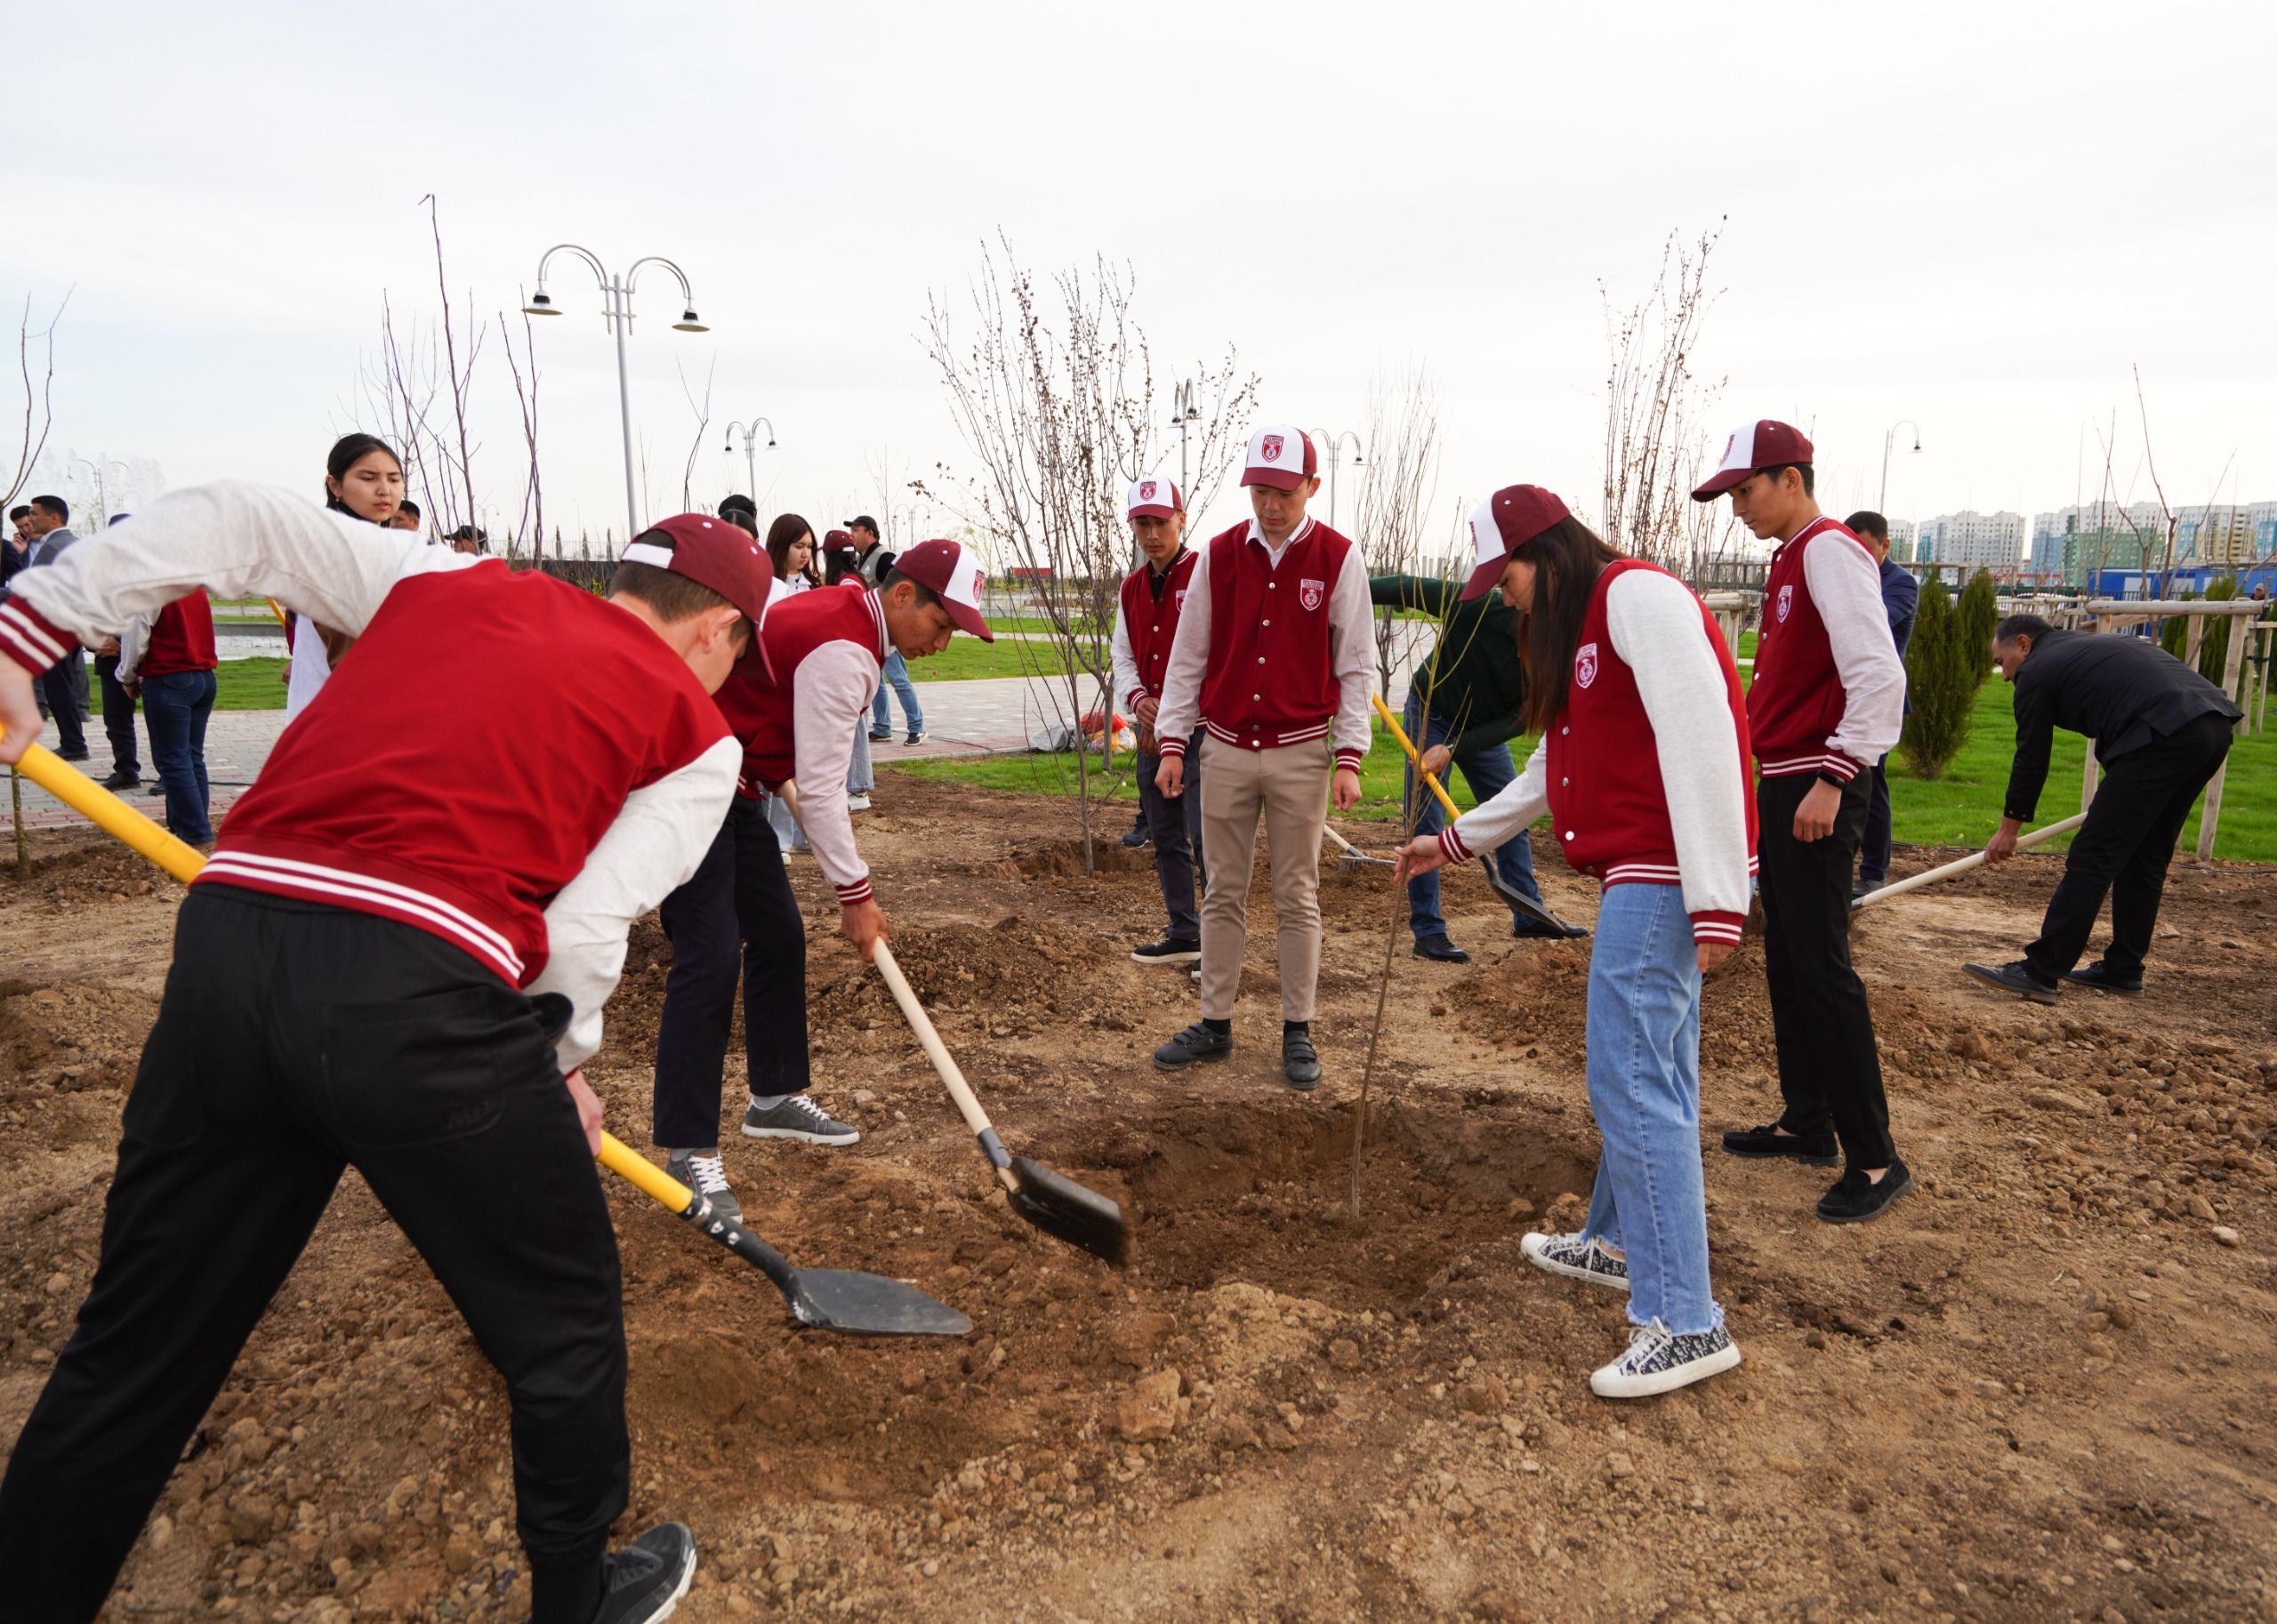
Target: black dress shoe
{"x":1298,"y":1062}
{"x":71,"y":755}
{"x":1196,"y":1042}
{"x":2098,"y":975}
{"x":1139,"y":836}
{"x":2017,"y":979}
{"x":1440,"y":950}
{"x":1862,"y":887}
{"x":1856,"y":1198}
{"x":122,"y":780}
{"x":1811,"y":1149}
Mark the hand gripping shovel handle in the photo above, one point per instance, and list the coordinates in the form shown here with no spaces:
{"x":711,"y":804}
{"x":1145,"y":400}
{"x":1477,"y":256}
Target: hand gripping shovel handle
{"x":951,"y":1078}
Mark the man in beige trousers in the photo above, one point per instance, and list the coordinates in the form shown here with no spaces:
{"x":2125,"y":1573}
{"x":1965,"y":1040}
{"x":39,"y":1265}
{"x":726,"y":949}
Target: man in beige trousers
{"x":1274,"y":661}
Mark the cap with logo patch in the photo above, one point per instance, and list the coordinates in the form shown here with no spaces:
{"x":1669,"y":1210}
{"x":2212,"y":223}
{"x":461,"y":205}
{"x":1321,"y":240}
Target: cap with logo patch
{"x":955,"y":576}
{"x":1508,"y":520}
{"x":1153,"y":498}
{"x":838,"y":540}
{"x":1765,"y":443}
{"x":1282,"y":458}
{"x":711,"y":552}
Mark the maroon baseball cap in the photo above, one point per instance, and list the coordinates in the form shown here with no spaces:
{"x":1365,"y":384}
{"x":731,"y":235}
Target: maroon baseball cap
{"x":838,"y":540}
{"x":956,"y":577}
{"x":1282,"y":458}
{"x":1512,"y":516}
{"x":1763,"y":443}
{"x":711,"y":552}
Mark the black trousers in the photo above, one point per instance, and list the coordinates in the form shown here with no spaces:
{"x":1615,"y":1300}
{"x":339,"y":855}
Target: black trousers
{"x":119,"y":716}
{"x":294,"y":1040}
{"x":1873,"y":847}
{"x":736,"y":914}
{"x":1176,"y":828}
{"x":63,"y":688}
{"x":1830,"y":1071}
{"x":2124,"y":848}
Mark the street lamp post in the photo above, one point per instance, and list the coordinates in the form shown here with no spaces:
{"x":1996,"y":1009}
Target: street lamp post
{"x":749,"y":431}
{"x":103,"y":502}
{"x":1888,"y":440}
{"x":1183,"y":412}
{"x":1330,"y":445}
{"x":616,"y":312}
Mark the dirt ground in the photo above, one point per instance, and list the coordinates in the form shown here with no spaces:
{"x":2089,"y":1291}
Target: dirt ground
{"x":2040,"y":1388}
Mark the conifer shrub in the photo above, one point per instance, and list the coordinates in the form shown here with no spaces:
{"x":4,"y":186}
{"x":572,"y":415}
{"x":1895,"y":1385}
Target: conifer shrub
{"x":1941,"y":684}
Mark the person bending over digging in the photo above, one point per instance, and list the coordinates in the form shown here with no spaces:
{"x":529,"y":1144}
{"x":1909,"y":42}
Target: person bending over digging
{"x":1274,"y":661}
{"x":415,"y":896}
{"x":793,"y":707}
{"x":1643,"y":770}
{"x":1145,"y":624}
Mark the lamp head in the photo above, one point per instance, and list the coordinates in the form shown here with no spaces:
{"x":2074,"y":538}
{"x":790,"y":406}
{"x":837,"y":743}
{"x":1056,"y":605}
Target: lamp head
{"x":770,"y":442}
{"x":540,"y":305}
{"x":688,"y":323}
{"x":1916,"y":442}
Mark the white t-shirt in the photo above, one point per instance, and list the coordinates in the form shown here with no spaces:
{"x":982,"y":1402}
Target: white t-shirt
{"x":785,"y":587}
{"x":311,"y":665}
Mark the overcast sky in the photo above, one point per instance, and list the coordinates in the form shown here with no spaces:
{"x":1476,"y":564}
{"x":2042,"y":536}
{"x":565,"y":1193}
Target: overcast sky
{"x":1976,"y":217}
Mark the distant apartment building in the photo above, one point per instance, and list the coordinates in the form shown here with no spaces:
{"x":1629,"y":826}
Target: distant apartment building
{"x":2073,"y":542}
{"x":2217,"y":533}
{"x":1974,"y":541}
{"x":1903,"y":534}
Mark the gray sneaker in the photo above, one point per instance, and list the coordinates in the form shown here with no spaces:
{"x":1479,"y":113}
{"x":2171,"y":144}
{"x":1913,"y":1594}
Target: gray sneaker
{"x":797,"y":1117}
{"x":707,"y":1175}
{"x":1582,"y":1259}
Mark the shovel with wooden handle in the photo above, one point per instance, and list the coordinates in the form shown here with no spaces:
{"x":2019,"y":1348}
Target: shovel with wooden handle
{"x":1535,"y":910}
{"x":1961,"y":865}
{"x":828,"y":1299}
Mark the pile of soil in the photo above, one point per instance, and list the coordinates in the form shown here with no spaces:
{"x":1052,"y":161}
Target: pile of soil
{"x":2038,"y":1389}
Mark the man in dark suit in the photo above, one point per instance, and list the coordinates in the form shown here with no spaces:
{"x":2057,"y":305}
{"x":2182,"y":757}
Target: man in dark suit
{"x":63,"y":686}
{"x":2161,"y":730}
{"x":1901,"y":595}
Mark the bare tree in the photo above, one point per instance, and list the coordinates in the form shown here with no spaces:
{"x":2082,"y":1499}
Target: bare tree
{"x":702,"y":411}
{"x":533,"y":518}
{"x":39,"y":409}
{"x":1399,"y":484}
{"x":1655,"y":408}
{"x":1054,"y":396}
{"x":457,"y":380}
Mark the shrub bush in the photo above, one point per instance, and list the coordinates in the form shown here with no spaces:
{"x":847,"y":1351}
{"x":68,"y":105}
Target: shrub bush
{"x":1941,"y":684}
{"x":1980,"y":617}
{"x":2174,"y":632}
{"x":2215,"y":646}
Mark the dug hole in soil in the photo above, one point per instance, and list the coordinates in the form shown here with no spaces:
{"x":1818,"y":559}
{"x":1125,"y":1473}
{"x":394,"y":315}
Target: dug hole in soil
{"x":2038,"y":1389}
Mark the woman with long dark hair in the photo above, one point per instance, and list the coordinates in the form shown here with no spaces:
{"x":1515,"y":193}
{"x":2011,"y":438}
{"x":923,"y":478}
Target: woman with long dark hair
{"x":1643,"y":769}
{"x":363,"y":478}
{"x":791,"y":550}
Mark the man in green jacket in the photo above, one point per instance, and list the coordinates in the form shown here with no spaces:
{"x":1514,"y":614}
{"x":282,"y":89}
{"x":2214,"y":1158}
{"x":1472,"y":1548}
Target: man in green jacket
{"x":1476,"y":689}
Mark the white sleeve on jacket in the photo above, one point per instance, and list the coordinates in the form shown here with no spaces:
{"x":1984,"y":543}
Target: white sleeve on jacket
{"x":134,"y":643}
{"x":1352,"y":662}
{"x":830,"y":696}
{"x":1501,"y":818}
{"x":648,"y":853}
{"x":236,"y":540}
{"x":1122,"y":663}
{"x":1847,"y":587}
{"x":1180,"y":713}
{"x":1655,"y":626}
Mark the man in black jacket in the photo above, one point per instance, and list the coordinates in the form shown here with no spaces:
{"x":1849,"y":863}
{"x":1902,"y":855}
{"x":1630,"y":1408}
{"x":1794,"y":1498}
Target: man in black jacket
{"x":1901,"y":596}
{"x":2161,"y":731}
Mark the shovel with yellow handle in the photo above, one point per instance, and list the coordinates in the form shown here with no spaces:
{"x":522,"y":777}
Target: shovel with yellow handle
{"x":828,"y":1299}
{"x":1535,"y":910}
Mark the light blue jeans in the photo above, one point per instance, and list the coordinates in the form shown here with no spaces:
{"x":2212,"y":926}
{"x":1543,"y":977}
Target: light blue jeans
{"x":1643,"y":1065}
{"x":859,"y":778}
{"x":896,"y":676}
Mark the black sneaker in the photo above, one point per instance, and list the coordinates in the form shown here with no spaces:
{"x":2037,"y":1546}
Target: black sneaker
{"x":1196,"y":1042}
{"x":703,"y":1173}
{"x":1298,"y":1061}
{"x":1440,"y":950}
{"x":1170,"y":950}
{"x":1856,"y":1198}
{"x":1139,"y":836}
{"x":2017,"y":979}
{"x":2099,"y":975}
{"x":1864,"y":886}
{"x":71,"y":755}
{"x":122,"y":780}
{"x":797,"y":1117}
{"x":1811,"y":1149}
{"x":876,"y":737}
{"x":646,"y":1580}
{"x":916,"y":737}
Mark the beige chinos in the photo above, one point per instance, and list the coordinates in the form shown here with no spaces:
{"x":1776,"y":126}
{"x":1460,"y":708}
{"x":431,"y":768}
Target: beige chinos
{"x":1291,"y":785}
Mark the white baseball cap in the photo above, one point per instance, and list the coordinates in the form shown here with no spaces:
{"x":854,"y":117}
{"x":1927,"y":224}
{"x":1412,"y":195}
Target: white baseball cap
{"x":1153,"y":497}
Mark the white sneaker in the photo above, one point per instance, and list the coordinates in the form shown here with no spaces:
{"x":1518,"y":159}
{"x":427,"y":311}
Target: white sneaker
{"x":1577,"y":1257}
{"x":706,"y":1173}
{"x":857,"y":803}
{"x":1659,"y":1361}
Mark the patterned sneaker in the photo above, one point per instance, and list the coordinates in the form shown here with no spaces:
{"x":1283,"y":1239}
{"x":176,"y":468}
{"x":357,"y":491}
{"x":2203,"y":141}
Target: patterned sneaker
{"x":1659,"y":1361}
{"x":703,"y":1173}
{"x":1581,"y":1258}
{"x":797,"y":1117}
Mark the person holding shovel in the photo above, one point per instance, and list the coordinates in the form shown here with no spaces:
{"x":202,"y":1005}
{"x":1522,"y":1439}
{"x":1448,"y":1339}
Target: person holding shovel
{"x":1643,"y":770}
{"x":1272,"y":660}
{"x":793,"y":708}
{"x":395,"y":961}
{"x":1145,"y":625}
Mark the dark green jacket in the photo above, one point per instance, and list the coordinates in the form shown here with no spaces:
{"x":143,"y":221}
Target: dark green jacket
{"x":1473,"y":677}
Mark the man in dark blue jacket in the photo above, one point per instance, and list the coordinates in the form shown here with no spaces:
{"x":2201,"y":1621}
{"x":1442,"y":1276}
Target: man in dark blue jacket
{"x":1900,"y":593}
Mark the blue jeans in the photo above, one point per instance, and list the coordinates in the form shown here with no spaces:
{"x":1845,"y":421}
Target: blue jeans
{"x":174,"y":708}
{"x":896,"y":676}
{"x":1643,"y":1067}
{"x":860,"y":779}
{"x":1488,"y":772}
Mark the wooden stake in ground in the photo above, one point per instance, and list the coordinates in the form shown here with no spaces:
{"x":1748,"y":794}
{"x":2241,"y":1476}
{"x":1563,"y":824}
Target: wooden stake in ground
{"x":16,"y":801}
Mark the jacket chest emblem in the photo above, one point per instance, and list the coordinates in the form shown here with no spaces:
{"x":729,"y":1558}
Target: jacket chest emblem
{"x":1178,"y":600}
{"x":1311,"y":594}
{"x":1786,"y":601}
{"x":1585,"y":665}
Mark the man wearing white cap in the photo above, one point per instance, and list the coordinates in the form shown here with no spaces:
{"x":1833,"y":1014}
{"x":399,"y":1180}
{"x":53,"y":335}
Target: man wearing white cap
{"x":1145,"y":624}
{"x":1273,"y":659}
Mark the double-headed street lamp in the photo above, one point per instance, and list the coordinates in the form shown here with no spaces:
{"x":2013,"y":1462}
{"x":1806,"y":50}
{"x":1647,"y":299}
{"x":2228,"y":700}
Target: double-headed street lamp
{"x":1183,"y":413}
{"x":750,"y":431}
{"x":102,"y":503}
{"x":616,"y":312}
{"x":1331,"y":444}
{"x":1888,"y":441}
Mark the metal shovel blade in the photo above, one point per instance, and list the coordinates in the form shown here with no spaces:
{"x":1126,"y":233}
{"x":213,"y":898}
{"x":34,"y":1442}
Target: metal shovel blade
{"x":869,"y":1306}
{"x":1058,"y":1205}
{"x":1538,"y":913}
